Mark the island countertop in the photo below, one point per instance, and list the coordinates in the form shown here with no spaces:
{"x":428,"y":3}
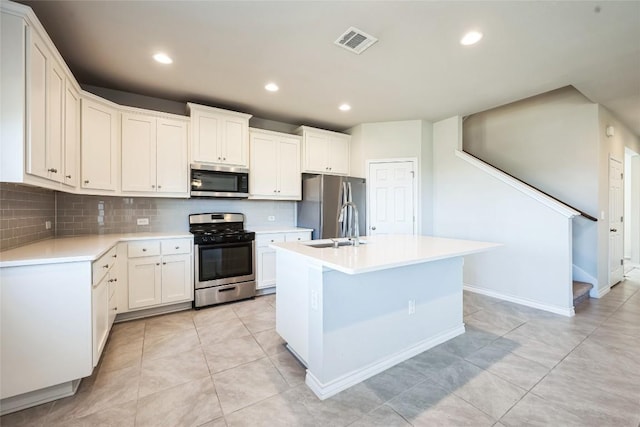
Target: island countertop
{"x":385,"y":251}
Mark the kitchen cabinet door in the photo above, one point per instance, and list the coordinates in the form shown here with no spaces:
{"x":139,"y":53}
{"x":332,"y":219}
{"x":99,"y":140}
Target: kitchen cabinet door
{"x":71,"y":134}
{"x":289,"y":175}
{"x":263,"y":176}
{"x":172,"y":164}
{"x":99,"y":143}
{"x":55,"y":121}
{"x":234,"y":142}
{"x":315,"y":157}
{"x":338,"y":155}
{"x":176,"y":278}
{"x":138,"y":153}
{"x":45,"y":124}
{"x":38,"y":60}
{"x":206,"y":136}
{"x":144,"y":280}
{"x":266,"y":266}
{"x":100,"y":310}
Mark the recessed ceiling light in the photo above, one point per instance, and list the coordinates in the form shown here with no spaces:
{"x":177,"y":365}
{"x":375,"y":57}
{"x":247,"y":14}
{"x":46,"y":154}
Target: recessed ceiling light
{"x":272,"y":87}
{"x":472,"y":37}
{"x":344,"y":107}
{"x":162,"y":58}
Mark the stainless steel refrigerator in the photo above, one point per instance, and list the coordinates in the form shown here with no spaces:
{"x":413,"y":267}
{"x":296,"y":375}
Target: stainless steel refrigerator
{"x":322,"y":197}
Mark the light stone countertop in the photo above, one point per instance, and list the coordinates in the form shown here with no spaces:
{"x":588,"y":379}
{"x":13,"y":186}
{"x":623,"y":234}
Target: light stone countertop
{"x":385,"y":251}
{"x":265,"y":229}
{"x":74,"y":249}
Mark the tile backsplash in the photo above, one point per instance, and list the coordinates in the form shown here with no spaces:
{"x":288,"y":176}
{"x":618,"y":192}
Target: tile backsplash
{"x":24,"y":212}
{"x":80,"y":214}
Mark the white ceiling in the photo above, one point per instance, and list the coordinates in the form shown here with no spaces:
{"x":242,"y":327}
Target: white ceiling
{"x":225,"y":52}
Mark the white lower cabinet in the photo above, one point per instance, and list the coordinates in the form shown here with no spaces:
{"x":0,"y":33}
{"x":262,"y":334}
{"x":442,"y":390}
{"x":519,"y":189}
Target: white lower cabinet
{"x":159,"y":272}
{"x":266,"y":256}
{"x":104,"y":280}
{"x":100,"y":310}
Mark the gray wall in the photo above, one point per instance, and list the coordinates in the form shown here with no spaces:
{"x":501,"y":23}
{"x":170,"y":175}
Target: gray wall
{"x":556,"y":142}
{"x":23,"y":213}
{"x":174,"y":107}
{"x":549,"y":141}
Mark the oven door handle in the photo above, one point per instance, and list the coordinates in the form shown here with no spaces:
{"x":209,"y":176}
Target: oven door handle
{"x":232,"y":288}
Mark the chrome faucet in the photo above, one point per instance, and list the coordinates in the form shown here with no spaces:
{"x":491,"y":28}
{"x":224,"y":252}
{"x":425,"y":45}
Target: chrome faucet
{"x":356,"y":232}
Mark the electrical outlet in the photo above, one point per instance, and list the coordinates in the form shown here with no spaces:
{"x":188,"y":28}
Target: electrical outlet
{"x":412,"y":306}
{"x":143,"y":221}
{"x":47,"y":225}
{"x":271,"y":218}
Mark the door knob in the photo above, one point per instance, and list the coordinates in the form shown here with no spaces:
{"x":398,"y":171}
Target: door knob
{"x":613,"y":230}
{"x":373,"y":228}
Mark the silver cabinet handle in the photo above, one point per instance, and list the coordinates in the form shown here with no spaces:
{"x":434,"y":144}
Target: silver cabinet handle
{"x":52,"y":170}
{"x":144,"y":249}
{"x":153,"y":186}
{"x":86,"y":181}
{"x":105,"y":266}
{"x":164,"y":263}
{"x":159,"y":186}
{"x":613,"y":230}
{"x":177,"y":247}
{"x":68,"y":176}
{"x":157,"y":263}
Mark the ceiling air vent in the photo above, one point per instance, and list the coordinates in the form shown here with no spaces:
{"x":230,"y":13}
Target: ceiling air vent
{"x":355,"y":40}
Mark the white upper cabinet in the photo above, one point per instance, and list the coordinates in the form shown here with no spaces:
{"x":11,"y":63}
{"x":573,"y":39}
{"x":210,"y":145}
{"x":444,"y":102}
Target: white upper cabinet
{"x":324,"y":151}
{"x":45,"y":112}
{"x":99,"y":145}
{"x":138,"y":153}
{"x":219,"y":136}
{"x":154,"y":154}
{"x":274,"y":171}
{"x":172,"y":160}
{"x":71,"y":153}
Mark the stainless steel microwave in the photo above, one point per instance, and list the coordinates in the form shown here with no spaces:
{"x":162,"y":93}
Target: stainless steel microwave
{"x":219,"y":181}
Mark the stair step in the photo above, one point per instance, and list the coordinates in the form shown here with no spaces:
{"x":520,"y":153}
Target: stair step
{"x":580,"y":292}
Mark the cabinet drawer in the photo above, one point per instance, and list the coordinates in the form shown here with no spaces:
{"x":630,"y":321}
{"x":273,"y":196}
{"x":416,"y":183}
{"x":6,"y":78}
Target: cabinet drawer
{"x":144,"y":248}
{"x":176,"y":246}
{"x":100,"y":267}
{"x":263,"y":240}
{"x":300,"y":236}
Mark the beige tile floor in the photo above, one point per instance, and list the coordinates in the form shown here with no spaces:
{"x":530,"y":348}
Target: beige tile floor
{"x":226,"y":366}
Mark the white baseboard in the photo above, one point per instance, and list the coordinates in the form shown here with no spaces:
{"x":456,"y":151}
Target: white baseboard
{"x":38,"y":397}
{"x":564,"y":311}
{"x":599,"y":292}
{"x":324,"y":391}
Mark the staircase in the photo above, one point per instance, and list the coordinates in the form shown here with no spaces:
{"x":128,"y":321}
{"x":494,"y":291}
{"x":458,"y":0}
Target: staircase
{"x":580,"y":292}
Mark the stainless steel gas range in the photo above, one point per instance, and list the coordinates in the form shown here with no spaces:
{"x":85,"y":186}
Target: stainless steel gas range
{"x":224,"y":258}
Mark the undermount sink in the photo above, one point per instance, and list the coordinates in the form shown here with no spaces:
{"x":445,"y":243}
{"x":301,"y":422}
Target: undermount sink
{"x":329,"y":243}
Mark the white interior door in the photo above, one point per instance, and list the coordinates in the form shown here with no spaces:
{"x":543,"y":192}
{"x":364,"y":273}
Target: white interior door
{"x":392,"y":197}
{"x":616,"y":209}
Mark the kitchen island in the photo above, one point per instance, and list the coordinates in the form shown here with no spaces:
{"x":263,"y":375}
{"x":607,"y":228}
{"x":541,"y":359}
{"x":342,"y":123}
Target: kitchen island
{"x":350,"y":312}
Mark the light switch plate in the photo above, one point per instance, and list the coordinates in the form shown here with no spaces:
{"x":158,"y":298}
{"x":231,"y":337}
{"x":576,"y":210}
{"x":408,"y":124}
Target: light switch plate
{"x":143,"y":221}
